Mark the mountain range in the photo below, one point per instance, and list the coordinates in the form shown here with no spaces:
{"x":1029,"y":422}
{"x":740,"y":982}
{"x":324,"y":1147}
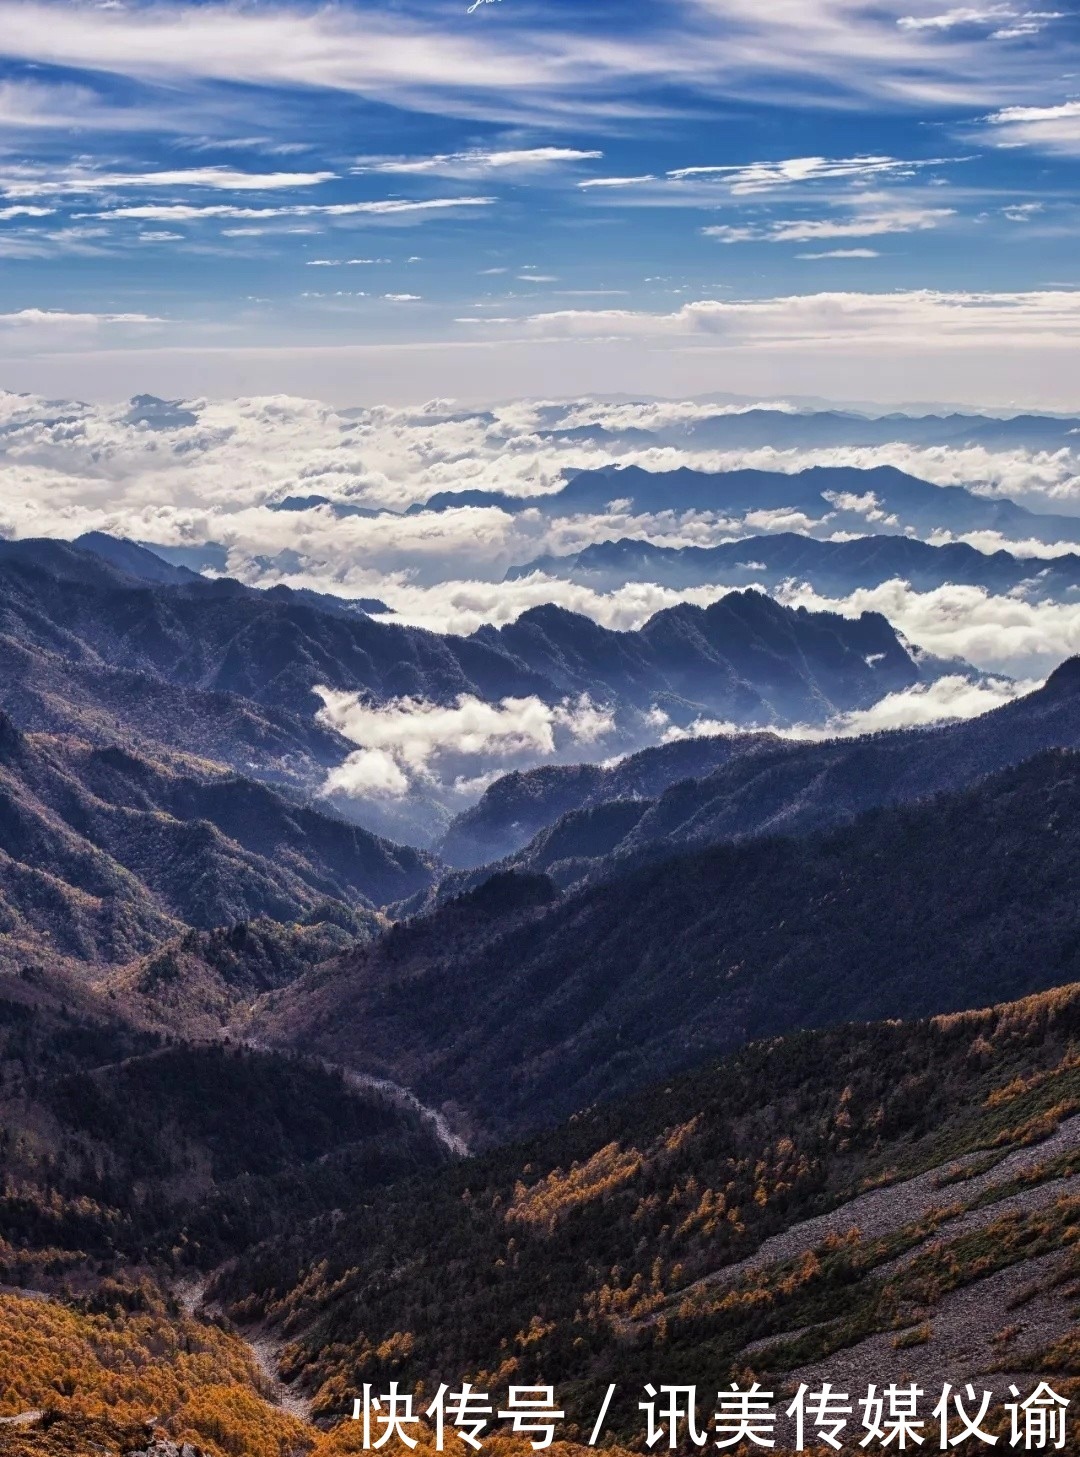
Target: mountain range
{"x":742,"y":1056}
{"x":71,"y":605}
{"x":105,"y":642}
{"x":834,"y":568}
{"x":558,"y":818}
{"x":846,"y":497}
{"x":512,"y":1005}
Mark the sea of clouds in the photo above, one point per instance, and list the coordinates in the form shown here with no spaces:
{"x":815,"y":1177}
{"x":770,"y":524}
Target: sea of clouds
{"x":218,"y":471}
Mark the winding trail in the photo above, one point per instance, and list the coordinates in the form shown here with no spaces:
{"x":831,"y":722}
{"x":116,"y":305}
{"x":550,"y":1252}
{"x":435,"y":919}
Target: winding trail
{"x":367,"y":1082}
{"x":265,"y":1347}
{"x":406,"y":1097}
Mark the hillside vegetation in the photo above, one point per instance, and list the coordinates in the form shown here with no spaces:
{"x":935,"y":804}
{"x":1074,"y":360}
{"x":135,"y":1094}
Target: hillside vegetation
{"x":121,"y":1147}
{"x":104,"y":853}
{"x":554,"y":819}
{"x":816,"y":1202}
{"x":513,"y":1006}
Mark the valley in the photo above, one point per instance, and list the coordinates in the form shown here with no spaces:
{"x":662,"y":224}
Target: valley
{"x":719,"y":1046}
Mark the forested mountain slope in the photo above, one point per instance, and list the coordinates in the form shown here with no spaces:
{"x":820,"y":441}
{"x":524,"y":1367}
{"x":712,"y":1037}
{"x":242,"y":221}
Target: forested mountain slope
{"x":760,"y":784}
{"x":513,"y":1007}
{"x":103,"y":854}
{"x":848,"y":1205}
{"x":517,"y":805}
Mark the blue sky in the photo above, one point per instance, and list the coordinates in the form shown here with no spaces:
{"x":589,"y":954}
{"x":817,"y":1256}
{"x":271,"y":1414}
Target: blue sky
{"x":400,"y":200}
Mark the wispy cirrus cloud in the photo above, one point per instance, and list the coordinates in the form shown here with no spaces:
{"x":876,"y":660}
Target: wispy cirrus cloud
{"x":591,"y":182}
{"x":867,"y":224}
{"x":79,"y":181}
{"x":1003,"y":22}
{"x":30,"y":104}
{"x":699,"y":185}
{"x":756,"y":177}
{"x":1053,"y":129}
{"x":387,"y":207}
{"x":477,"y":162}
{"x":437,"y":61}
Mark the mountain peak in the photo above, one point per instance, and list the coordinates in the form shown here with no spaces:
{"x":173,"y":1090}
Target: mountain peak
{"x":132,"y":559}
{"x":1065,"y":678}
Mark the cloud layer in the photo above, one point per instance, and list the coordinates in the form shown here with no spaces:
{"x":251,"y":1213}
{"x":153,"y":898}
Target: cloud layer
{"x":452,"y":751}
{"x":948,"y":698}
{"x":284,"y":490}
{"x":220,"y":472}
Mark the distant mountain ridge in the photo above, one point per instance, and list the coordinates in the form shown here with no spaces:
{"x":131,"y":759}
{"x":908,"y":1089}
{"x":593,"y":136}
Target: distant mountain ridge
{"x":808,"y":429}
{"x":745,"y":655}
{"x":830,"y":567}
{"x":901,"y":501}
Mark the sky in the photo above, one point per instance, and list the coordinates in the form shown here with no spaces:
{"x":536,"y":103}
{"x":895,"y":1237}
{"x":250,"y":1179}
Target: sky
{"x":380,"y":203}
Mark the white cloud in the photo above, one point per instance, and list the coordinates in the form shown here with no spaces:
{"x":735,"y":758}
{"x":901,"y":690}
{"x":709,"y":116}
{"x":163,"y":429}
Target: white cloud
{"x":866,"y":505}
{"x":616,"y":181}
{"x":525,"y":70}
{"x":34,"y":105}
{"x":387,"y":207}
{"x":951,"y":697}
{"x":1053,"y":129}
{"x":863,"y":225}
{"x":755,"y":177}
{"x":464,"y":606}
{"x":1047,"y":318}
{"x":997,"y":633}
{"x":1003,"y":21}
{"x":477,"y":162}
{"x":30,"y":182}
{"x":843,"y":253}
{"x":412,"y":743}
{"x":736,"y":233}
{"x":60,"y":318}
